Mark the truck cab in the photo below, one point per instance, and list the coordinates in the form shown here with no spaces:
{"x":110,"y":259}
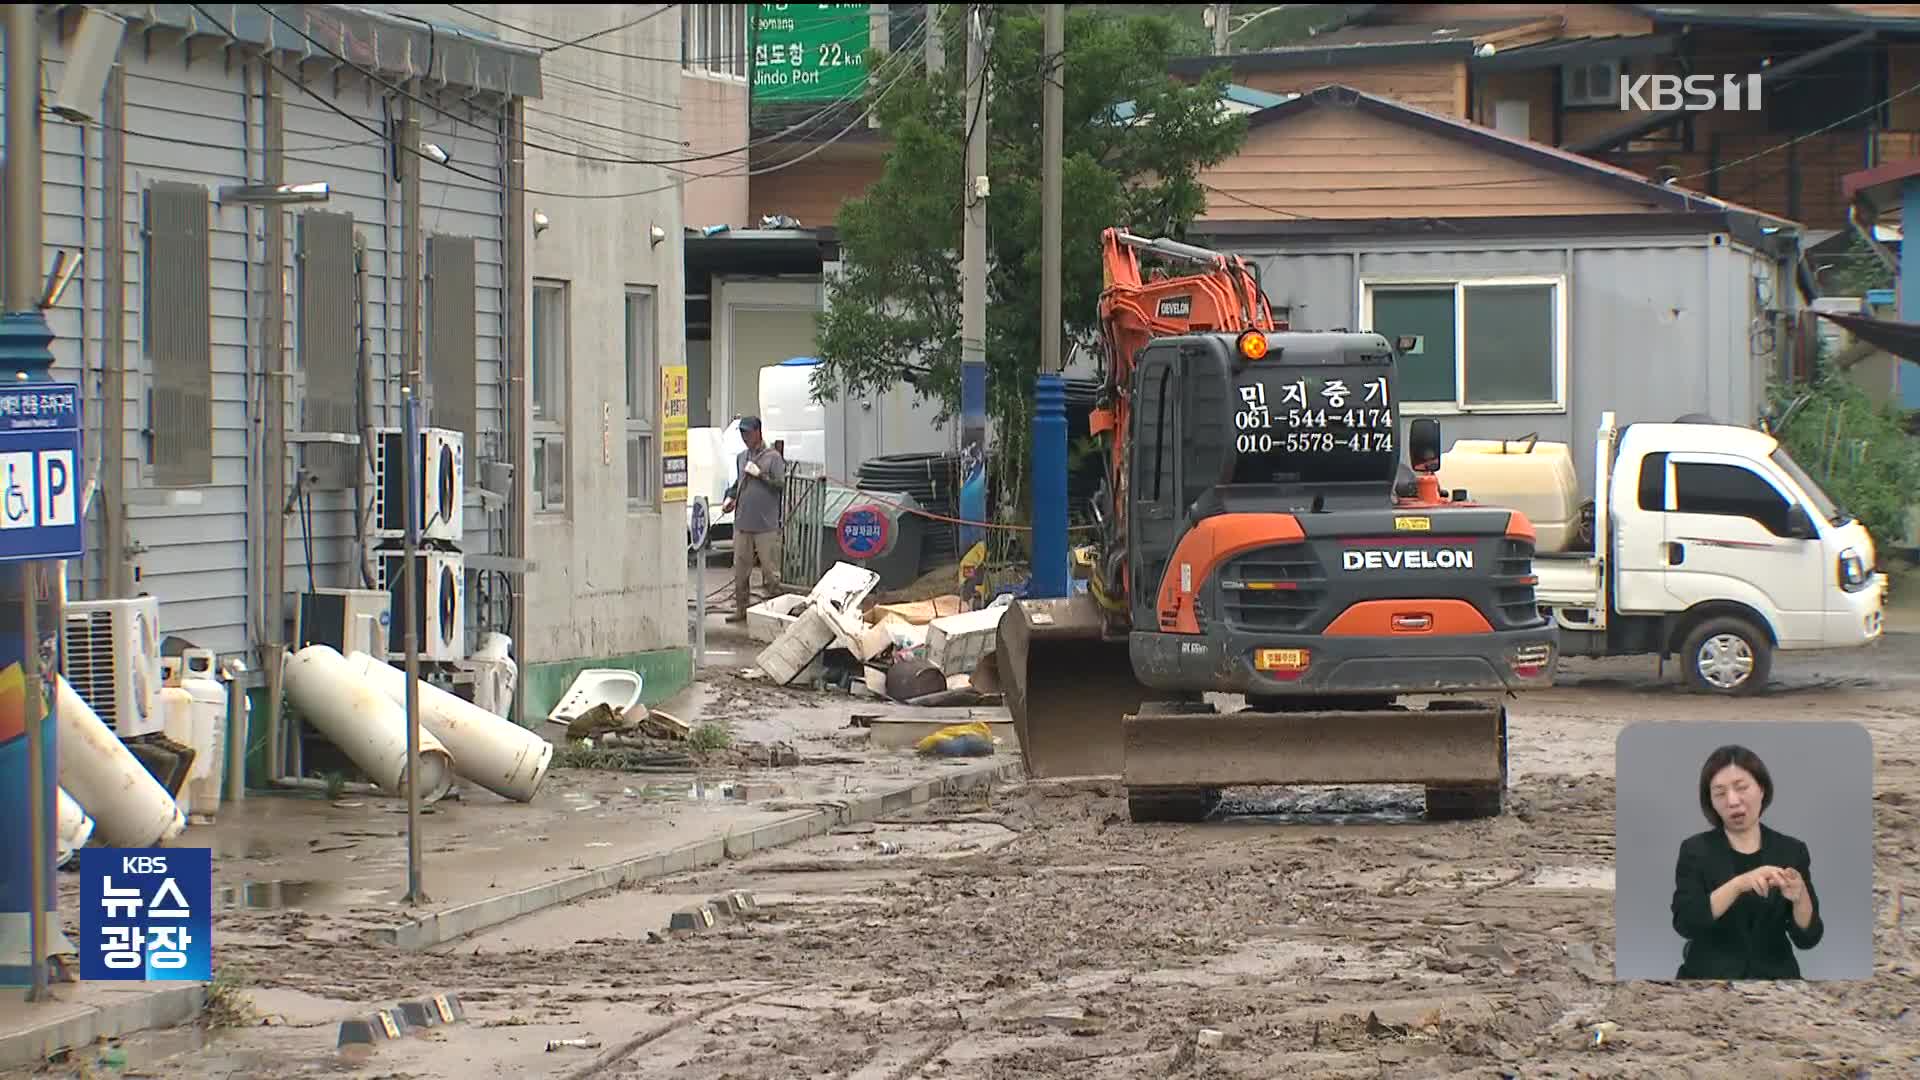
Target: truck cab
{"x":1711,"y":544}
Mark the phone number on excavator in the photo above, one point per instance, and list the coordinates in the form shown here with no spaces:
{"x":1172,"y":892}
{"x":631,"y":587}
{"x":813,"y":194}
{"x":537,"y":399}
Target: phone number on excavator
{"x":1317,"y":442}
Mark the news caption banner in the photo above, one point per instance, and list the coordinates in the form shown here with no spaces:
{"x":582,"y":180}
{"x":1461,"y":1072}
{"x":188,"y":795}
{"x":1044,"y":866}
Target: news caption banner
{"x":146,"y":914}
{"x":1315,"y":416}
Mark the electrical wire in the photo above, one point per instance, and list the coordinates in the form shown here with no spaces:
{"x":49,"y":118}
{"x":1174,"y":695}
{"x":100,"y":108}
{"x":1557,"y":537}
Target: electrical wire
{"x":799,"y":20}
{"x":581,"y":41}
{"x":530,"y":144}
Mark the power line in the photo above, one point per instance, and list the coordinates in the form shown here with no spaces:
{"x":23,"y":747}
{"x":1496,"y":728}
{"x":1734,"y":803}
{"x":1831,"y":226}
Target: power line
{"x":605,"y":159}
{"x":746,"y":14}
{"x":581,"y":41}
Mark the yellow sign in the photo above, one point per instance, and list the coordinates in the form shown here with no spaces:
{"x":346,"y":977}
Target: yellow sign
{"x":1280,"y":659}
{"x":1413,"y":524}
{"x":673,"y":433}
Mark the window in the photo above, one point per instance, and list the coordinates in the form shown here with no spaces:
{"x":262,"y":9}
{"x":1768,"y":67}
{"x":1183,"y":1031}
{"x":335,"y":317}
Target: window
{"x":1493,"y":345}
{"x":1590,"y":84}
{"x":713,"y":39}
{"x":548,"y":364}
{"x":643,"y":382}
{"x":1702,"y":487}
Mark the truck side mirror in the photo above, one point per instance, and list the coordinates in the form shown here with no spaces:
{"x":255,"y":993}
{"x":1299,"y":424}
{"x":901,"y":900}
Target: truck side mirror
{"x":1799,"y":524}
{"x":1423,"y":445}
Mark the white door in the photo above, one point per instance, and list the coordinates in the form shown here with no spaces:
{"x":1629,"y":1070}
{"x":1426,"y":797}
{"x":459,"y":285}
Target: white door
{"x":1637,"y":505}
{"x":1728,"y":538}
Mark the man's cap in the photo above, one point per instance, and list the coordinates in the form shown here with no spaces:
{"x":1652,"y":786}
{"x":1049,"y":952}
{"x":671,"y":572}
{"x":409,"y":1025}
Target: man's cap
{"x":749,"y":423}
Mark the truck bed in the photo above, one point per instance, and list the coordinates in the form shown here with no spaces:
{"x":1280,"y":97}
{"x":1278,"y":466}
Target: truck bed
{"x":1567,"y":580}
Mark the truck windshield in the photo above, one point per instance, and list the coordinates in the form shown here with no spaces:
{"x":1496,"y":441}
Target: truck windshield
{"x":1324,"y":425}
{"x":1826,"y":507}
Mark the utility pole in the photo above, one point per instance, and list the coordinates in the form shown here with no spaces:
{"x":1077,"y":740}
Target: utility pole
{"x":936,"y":44}
{"x":1221,"y":13}
{"x":1049,"y":395}
{"x":410,"y":582}
{"x":973,"y":298}
{"x":25,"y":347}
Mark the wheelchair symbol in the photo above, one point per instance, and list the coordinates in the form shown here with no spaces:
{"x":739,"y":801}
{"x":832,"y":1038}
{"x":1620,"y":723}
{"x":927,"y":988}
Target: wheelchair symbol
{"x":15,"y":501}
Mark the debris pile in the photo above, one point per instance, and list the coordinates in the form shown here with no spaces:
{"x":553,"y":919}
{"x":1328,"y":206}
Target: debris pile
{"x":927,"y":653}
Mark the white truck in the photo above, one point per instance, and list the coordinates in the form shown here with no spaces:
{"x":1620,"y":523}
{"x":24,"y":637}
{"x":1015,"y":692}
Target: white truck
{"x":1706,"y":541}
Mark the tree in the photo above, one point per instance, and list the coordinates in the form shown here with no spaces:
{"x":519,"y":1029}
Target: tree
{"x":894,"y":310}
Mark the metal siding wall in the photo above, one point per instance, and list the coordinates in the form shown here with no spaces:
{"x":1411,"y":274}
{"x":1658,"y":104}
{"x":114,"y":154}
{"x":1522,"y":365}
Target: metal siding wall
{"x":454,"y":204}
{"x":322,"y":145}
{"x":1657,"y":326}
{"x":184,"y":123}
{"x":71,"y":210}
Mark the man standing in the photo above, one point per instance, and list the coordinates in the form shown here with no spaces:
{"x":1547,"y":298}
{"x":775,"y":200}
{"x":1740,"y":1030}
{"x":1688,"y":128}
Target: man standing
{"x":754,"y":500}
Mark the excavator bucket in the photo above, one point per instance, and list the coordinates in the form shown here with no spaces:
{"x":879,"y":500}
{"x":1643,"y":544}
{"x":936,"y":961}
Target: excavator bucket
{"x":1456,"y":749}
{"x":1067,"y":687}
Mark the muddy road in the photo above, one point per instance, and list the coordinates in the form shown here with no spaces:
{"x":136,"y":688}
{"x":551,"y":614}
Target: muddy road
{"x":1035,"y":933}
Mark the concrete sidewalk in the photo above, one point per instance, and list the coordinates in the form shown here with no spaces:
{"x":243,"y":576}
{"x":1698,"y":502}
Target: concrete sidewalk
{"x":341,"y":864}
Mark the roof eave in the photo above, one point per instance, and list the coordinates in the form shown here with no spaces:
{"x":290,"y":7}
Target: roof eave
{"x":384,"y":43}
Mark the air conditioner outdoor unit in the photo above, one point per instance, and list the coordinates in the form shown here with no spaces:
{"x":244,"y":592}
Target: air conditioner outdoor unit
{"x":440,"y":605}
{"x":442,"y":461}
{"x":338,"y":618}
{"x":112,"y":659}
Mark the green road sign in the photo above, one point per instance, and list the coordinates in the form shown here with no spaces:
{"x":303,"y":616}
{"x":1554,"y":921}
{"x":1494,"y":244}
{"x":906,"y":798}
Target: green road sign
{"x":809,"y":52}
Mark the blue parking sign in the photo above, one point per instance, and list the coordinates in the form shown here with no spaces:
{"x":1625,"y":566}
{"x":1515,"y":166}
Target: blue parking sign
{"x":146,"y":914}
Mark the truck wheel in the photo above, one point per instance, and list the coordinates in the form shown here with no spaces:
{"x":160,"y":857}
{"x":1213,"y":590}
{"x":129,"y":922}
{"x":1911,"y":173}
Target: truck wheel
{"x":1184,"y":806}
{"x":1728,"y":655}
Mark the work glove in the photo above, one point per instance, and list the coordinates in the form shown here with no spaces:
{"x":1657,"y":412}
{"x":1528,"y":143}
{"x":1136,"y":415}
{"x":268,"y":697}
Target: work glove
{"x":753,"y":469}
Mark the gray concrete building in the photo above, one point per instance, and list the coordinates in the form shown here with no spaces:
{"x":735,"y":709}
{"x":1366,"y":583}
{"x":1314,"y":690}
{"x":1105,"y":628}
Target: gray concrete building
{"x":601,"y":228}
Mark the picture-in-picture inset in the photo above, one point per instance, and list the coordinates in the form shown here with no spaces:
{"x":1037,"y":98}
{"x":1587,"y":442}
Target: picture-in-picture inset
{"x":1743,"y":851}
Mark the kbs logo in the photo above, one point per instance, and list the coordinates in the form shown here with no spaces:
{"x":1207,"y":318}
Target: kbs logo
{"x":1693,"y":93}
{"x":1417,"y":559}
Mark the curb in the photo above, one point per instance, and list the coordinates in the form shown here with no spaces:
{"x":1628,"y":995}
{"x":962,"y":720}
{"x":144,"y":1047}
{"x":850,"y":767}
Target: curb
{"x":458,"y":922}
{"x":159,"y":1009}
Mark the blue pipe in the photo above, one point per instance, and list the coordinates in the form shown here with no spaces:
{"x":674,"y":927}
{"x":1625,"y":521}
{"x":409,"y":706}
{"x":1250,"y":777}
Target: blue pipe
{"x":1049,"y":487}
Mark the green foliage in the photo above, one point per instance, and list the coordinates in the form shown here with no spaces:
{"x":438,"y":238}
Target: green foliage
{"x":1858,"y":451}
{"x":709,"y":737}
{"x":1856,"y":271}
{"x":1280,"y":25}
{"x":894,"y":311}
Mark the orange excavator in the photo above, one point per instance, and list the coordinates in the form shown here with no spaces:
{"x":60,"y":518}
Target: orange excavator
{"x":1259,"y":537}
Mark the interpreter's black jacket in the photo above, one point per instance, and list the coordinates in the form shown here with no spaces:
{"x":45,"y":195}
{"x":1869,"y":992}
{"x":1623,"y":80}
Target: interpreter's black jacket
{"x":1756,"y":936}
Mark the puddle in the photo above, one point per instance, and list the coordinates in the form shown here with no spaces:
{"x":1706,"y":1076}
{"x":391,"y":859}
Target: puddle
{"x":147,"y":1048}
{"x":274,"y":895}
{"x":242,"y":847}
{"x":758,"y":790}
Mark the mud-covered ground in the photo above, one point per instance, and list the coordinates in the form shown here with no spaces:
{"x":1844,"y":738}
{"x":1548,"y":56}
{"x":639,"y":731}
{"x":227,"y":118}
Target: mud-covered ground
{"x":1036,"y":933}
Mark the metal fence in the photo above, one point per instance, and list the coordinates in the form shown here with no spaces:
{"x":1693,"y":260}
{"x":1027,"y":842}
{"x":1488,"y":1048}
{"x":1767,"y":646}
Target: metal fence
{"x":801,"y":511}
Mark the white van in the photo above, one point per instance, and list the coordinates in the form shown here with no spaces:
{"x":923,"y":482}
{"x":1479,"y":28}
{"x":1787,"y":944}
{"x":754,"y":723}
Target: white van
{"x":1711,"y":544}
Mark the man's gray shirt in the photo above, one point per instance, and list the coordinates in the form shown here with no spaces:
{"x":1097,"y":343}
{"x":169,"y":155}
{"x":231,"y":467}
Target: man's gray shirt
{"x":759,"y":496}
